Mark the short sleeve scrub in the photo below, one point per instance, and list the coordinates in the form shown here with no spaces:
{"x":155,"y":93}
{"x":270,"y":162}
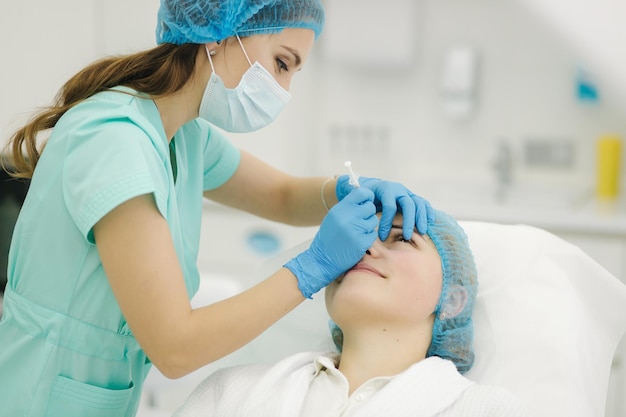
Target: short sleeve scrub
{"x":65,"y":347}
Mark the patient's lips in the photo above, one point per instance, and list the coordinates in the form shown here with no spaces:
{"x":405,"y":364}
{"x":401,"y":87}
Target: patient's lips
{"x":361,"y":267}
{"x":364,"y":267}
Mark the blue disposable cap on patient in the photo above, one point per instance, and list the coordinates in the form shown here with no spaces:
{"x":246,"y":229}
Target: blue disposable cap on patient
{"x":453,"y":330}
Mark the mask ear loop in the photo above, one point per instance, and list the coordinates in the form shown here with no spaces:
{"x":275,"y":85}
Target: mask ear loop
{"x":243,"y":49}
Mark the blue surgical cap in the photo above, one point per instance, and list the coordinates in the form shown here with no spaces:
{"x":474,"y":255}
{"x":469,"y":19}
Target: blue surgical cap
{"x":203,"y":21}
{"x":453,"y":331}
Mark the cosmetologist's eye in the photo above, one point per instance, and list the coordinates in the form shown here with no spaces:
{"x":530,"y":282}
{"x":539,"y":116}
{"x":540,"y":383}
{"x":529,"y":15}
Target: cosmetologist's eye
{"x":282,"y":66}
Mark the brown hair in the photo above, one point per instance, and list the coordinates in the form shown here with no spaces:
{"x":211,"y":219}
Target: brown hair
{"x":159,"y":71}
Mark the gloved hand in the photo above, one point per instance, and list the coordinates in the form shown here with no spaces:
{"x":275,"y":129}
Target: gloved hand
{"x":416,"y":211}
{"x":347,"y":231}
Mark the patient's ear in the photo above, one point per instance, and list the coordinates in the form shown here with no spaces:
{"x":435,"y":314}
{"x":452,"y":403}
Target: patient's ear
{"x":455,"y":302}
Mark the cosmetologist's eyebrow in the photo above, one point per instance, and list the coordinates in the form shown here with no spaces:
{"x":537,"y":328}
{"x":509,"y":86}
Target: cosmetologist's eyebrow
{"x":295,"y":53}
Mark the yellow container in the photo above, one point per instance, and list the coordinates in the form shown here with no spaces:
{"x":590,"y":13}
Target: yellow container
{"x":609,"y":158}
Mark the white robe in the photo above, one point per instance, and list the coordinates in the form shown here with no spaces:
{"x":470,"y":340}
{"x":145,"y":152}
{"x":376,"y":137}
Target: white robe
{"x":429,"y":388}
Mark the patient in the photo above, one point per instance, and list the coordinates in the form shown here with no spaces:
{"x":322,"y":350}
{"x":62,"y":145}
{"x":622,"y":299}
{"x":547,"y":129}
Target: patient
{"x":402,"y":322}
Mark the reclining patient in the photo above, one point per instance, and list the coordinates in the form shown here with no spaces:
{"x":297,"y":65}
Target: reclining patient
{"x":402,"y":323}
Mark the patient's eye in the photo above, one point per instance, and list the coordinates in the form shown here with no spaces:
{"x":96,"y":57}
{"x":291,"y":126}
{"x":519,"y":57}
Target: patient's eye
{"x":397,"y":236}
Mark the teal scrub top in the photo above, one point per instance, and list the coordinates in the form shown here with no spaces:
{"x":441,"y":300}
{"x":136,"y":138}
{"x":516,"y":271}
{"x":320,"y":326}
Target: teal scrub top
{"x":65,"y":347}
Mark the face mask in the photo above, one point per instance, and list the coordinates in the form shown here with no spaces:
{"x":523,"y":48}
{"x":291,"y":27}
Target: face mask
{"x":253,"y":104}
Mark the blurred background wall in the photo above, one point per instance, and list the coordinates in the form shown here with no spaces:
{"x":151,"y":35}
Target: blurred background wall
{"x":374,"y":90}
{"x":451,"y":97}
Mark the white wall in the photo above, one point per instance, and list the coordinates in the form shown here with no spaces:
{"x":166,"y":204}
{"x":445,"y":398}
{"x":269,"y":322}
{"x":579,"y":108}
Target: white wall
{"x":526,"y":89}
{"x":45,"y":43}
{"x":526,"y":86}
{"x":594,"y":27}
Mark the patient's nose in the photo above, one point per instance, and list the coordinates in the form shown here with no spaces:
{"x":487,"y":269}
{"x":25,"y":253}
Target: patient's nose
{"x":374,"y":250}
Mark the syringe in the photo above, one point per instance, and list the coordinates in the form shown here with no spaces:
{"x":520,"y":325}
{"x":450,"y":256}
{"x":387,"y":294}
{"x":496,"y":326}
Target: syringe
{"x":354,"y":179}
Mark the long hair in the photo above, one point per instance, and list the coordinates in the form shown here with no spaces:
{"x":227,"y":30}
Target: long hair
{"x":157,"y":72}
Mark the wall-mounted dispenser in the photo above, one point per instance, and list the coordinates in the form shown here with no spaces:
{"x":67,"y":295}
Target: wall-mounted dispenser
{"x":459,"y":82}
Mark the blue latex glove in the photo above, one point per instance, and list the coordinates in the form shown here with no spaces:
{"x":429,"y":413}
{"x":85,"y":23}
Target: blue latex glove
{"x":391,"y":196}
{"x":347,"y":231}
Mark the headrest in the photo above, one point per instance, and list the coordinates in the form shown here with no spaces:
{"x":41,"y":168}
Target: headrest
{"x":547,"y":319}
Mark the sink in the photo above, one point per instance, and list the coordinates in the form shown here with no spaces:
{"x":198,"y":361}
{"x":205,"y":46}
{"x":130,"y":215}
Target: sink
{"x":531,"y":195}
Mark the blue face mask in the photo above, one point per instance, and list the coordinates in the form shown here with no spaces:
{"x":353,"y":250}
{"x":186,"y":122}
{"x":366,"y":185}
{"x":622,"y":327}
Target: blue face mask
{"x":253,"y":104}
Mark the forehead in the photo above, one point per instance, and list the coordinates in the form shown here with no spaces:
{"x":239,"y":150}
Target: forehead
{"x":295,"y":37}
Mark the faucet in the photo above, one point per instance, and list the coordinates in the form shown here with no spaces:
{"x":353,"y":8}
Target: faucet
{"x":502,"y":165}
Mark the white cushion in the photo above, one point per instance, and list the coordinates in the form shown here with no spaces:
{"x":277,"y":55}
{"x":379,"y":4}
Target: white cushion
{"x":547,"y":320}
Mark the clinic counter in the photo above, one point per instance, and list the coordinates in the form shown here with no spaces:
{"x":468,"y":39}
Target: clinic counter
{"x":592,"y":216}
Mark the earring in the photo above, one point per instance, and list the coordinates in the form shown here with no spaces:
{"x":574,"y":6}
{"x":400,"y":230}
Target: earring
{"x":212,"y":52}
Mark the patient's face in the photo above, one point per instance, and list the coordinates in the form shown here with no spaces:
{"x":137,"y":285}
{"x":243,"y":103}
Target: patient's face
{"x":397,"y":281}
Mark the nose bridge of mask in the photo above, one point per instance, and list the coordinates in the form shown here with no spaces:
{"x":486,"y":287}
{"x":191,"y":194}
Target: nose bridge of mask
{"x":264,"y":80}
